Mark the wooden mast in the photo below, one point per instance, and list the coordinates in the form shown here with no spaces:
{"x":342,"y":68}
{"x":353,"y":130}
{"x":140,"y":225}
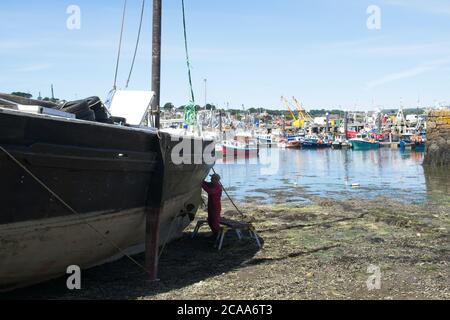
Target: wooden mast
{"x":156,"y":60}
{"x":153,"y":210}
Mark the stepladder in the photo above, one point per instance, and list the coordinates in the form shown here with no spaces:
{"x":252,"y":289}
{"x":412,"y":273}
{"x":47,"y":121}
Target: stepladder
{"x":227,"y":225}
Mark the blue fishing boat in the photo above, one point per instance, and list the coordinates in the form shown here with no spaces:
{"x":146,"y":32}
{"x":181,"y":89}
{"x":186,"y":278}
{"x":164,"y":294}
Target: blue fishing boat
{"x":313,"y":142}
{"x":413,"y":142}
{"x":406,"y":141}
{"x":362,"y":142}
{"x":293,"y":137}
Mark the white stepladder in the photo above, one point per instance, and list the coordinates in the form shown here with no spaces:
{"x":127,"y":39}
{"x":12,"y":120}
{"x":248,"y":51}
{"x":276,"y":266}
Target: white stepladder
{"x":227,"y":226}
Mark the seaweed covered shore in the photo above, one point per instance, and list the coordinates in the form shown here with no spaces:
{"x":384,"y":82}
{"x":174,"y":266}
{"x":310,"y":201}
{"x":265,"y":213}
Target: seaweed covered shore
{"x":325,"y":249}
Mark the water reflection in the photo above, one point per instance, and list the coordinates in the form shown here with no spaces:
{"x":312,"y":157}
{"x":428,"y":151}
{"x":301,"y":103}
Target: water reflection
{"x":438,"y":184}
{"x":295,"y":175}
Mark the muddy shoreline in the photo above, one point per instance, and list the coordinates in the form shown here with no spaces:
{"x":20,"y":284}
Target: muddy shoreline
{"x":318,"y":250}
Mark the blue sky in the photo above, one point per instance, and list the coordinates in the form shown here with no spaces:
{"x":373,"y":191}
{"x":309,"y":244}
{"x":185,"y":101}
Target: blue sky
{"x":251,"y":52}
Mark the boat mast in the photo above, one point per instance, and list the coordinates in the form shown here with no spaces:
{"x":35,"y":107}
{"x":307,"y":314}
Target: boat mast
{"x":156,"y":61}
{"x":346,"y":124}
{"x":152,"y":214}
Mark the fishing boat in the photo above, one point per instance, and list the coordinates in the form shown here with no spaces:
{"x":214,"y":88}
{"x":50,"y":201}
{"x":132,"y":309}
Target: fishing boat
{"x":336,"y":145}
{"x":83,"y":188}
{"x":109,"y":174}
{"x":412,"y":141}
{"x":286,"y":144}
{"x":406,"y":142}
{"x":265,"y":139}
{"x":242,"y":146}
{"x":340,"y":143}
{"x":362,"y":142}
{"x":351,"y":134}
{"x":345,"y":145}
{"x":420,"y":142}
{"x":313,"y":142}
{"x":294,"y":137}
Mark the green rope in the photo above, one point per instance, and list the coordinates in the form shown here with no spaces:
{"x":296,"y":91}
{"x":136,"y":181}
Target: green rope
{"x":190,"y":112}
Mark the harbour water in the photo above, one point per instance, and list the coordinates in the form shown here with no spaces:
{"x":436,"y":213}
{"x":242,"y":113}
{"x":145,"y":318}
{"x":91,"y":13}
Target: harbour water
{"x":295,"y":176}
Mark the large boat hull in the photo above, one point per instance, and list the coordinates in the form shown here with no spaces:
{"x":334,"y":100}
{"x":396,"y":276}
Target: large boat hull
{"x":108,"y":174}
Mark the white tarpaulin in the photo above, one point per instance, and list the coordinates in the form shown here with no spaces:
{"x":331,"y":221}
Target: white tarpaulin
{"x":131,"y":105}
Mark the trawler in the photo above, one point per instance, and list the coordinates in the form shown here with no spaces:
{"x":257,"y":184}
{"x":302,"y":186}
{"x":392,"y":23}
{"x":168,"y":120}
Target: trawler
{"x":108,"y":173}
{"x":77,"y":182}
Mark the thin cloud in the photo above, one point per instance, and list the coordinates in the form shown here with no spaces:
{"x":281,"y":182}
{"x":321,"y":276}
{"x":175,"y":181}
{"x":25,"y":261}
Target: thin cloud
{"x":15,"y":45}
{"x":413,"y":72}
{"x":382,"y":47}
{"x":34,"y":68}
{"x":439,"y":7}
{"x":345,"y":44}
{"x":409,"y":49}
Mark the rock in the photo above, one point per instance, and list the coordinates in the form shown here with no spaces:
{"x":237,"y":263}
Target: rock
{"x":438,"y":138}
{"x":374,"y":239}
{"x":434,"y":147}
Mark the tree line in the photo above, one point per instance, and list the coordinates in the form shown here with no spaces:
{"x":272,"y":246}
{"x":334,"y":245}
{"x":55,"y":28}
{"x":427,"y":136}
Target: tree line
{"x":278,"y":113}
{"x":30,"y":96}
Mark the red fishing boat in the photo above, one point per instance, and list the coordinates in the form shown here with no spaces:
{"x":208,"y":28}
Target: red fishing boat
{"x":285,"y":144}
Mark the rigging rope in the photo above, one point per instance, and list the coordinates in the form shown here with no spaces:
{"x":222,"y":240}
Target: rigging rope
{"x":190,"y":112}
{"x":120,"y":45}
{"x":137,"y":43}
{"x":187,"y":53}
{"x":229,"y":197}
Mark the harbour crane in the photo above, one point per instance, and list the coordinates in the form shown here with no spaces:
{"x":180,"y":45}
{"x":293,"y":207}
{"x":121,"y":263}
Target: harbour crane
{"x":297,"y":122}
{"x":302,"y":113}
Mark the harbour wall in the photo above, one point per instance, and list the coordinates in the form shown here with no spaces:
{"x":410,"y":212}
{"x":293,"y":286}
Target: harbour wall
{"x":438,"y":138}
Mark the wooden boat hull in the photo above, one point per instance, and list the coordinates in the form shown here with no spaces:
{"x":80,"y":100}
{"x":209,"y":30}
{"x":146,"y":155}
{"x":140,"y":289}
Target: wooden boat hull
{"x":36,"y":252}
{"x":108,"y":174}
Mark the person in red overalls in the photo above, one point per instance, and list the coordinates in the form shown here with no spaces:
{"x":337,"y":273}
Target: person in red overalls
{"x":214,"y":190}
